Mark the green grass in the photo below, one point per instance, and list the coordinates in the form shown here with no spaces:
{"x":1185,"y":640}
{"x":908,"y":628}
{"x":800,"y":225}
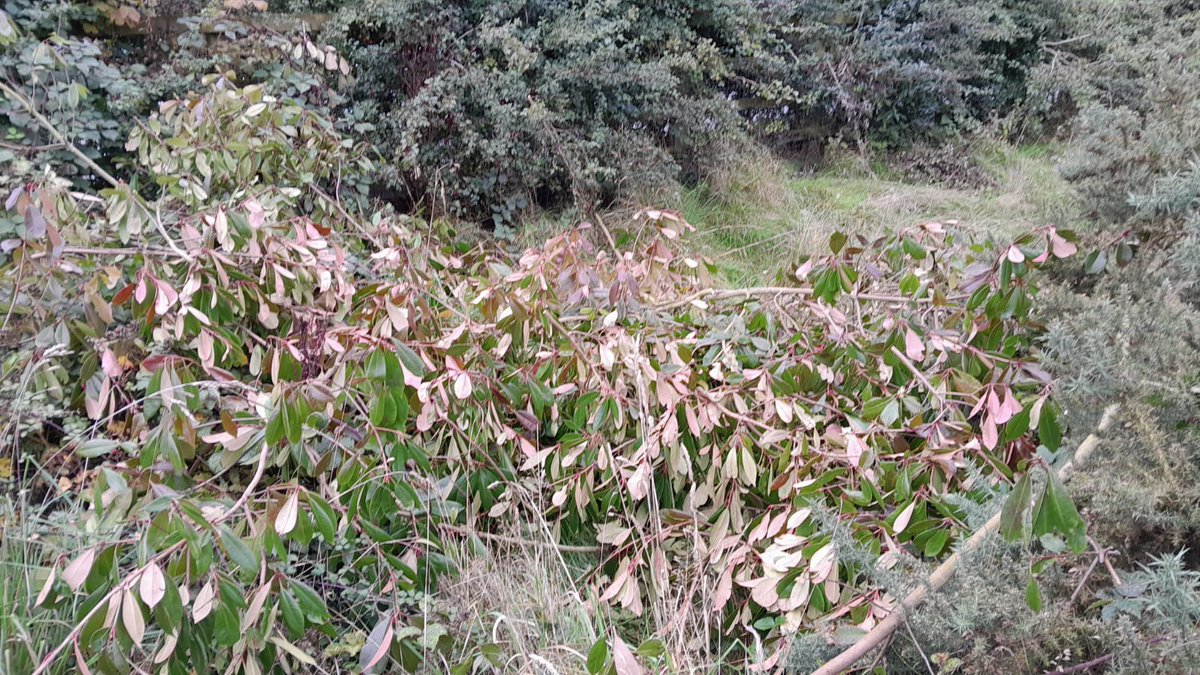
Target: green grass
{"x":761,"y":217}
{"x":765,"y":218}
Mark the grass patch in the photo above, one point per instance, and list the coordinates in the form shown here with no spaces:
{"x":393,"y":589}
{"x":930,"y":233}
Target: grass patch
{"x":766,"y":216}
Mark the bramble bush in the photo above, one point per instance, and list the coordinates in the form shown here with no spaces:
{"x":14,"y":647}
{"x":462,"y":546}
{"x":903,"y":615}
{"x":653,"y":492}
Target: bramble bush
{"x":261,"y":385}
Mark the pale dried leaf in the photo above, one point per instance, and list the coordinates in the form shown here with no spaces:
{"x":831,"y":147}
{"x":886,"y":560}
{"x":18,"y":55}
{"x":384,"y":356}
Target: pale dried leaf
{"x":152,"y":586}
{"x":77,"y":572}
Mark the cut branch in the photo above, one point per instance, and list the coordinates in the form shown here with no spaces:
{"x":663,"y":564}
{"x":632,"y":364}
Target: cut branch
{"x":884,"y":629}
{"x":716,"y":294}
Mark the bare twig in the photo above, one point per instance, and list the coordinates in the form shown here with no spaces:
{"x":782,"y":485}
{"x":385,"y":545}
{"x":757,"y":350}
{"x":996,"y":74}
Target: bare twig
{"x":1086,"y":575}
{"x":258,"y":473}
{"x":920,"y":651}
{"x":1086,"y":665}
{"x":918,"y":374}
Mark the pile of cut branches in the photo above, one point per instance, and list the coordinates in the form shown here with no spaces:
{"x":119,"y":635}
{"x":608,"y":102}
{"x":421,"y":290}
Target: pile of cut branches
{"x":271,"y":388}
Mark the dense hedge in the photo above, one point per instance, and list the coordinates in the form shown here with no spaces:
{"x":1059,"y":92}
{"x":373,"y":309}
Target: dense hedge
{"x":485,"y":108}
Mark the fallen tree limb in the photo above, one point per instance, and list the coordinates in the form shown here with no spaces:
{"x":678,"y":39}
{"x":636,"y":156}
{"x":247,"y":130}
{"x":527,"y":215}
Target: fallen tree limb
{"x":715,"y":294}
{"x":844,"y":661}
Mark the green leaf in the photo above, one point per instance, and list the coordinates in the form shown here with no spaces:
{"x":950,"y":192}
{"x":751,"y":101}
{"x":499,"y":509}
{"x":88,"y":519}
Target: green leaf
{"x":978,"y":297}
{"x":1124,"y":254}
{"x":597,"y":657}
{"x":227,"y":626}
{"x":96,"y":447}
{"x":277,"y":425}
{"x":914,"y":249}
{"x":837,"y":241}
{"x":891,"y":413}
{"x":238,"y":551}
{"x":1033,"y":595}
{"x":652,"y":648}
{"x":1012,"y":517}
{"x":935,"y":543}
{"x":381,"y":413}
{"x":412,"y":362}
{"x":376,"y":366}
{"x":303,"y":532}
{"x":1095,"y":262}
{"x":400,"y":407}
{"x":293,"y":616}
{"x":323,"y":516}
{"x":394,"y":376}
{"x":293,"y":416}
{"x":169,"y":610}
{"x":1049,"y":431}
{"x":1056,"y":514}
{"x":310,"y":602}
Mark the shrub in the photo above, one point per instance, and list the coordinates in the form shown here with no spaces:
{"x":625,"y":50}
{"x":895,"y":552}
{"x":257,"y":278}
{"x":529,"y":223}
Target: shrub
{"x":897,"y":71}
{"x":44,"y":53}
{"x":497,"y":106}
{"x":1130,"y":68}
